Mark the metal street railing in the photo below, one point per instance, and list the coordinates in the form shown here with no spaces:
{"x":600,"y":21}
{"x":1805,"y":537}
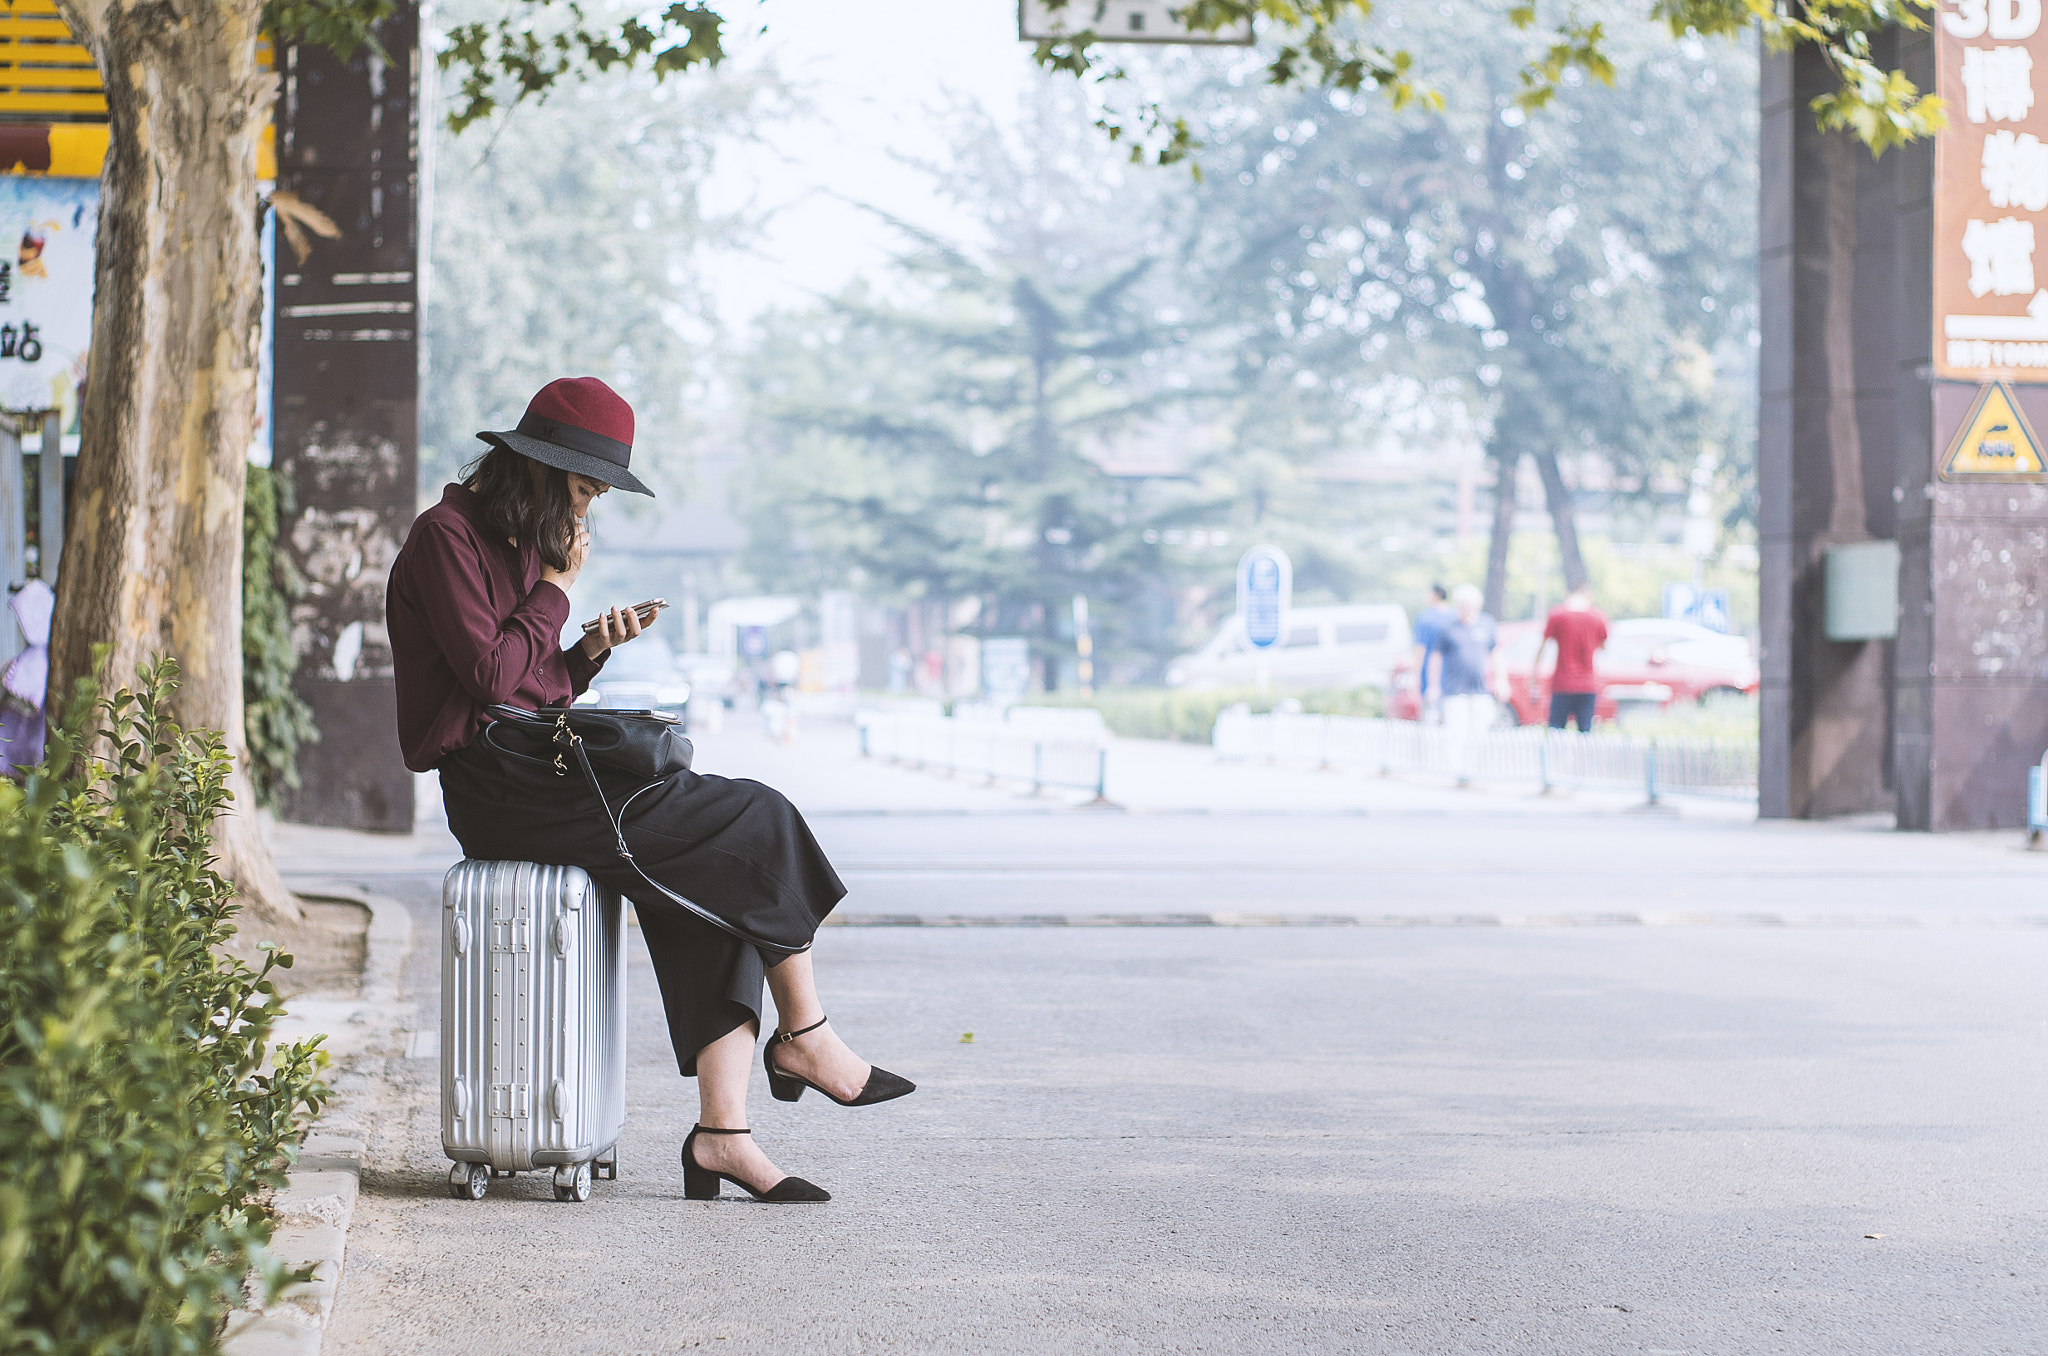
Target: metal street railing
{"x":1661,"y":765}
{"x":1068,"y":755}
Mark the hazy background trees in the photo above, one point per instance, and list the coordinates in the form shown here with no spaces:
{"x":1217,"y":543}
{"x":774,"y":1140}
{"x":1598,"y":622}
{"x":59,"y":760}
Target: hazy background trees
{"x":1576,"y":283}
{"x":1365,"y":334}
{"x":969,"y":426}
{"x":572,"y":239}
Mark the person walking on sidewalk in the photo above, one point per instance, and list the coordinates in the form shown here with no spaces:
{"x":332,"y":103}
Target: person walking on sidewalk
{"x":477,"y":603}
{"x":1429,"y":624}
{"x":1578,"y":630}
{"x":1466,"y":645}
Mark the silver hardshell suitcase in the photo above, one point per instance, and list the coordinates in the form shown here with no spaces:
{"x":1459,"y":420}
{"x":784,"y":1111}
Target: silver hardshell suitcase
{"x":533,"y":1025}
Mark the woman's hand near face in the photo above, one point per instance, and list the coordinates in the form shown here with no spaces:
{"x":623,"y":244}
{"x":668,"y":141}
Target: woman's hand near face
{"x":579,"y":551}
{"x":615,"y":627}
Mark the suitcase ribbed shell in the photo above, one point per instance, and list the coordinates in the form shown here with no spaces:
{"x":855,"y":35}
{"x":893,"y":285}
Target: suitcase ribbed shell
{"x":533,"y":1016}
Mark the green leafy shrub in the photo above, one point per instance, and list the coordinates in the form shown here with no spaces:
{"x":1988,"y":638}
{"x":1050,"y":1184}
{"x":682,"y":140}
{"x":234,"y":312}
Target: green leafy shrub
{"x":275,"y":719}
{"x":140,"y":1119}
{"x":1179,"y":714}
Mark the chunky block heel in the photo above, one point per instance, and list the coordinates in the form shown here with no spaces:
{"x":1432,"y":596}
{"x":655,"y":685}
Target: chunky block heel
{"x":701,"y":1183}
{"x":882,"y":1086}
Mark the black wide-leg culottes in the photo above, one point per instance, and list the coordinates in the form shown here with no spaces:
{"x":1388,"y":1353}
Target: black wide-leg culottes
{"x":733,"y":847}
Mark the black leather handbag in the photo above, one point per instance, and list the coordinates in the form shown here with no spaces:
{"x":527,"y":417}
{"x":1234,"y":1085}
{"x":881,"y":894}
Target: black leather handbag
{"x":646,"y":745}
{"x":641,"y":746}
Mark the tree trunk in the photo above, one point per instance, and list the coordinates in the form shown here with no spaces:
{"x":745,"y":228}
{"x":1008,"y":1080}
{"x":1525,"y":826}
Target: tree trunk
{"x":154,"y":561}
{"x":1558,"y":499}
{"x":1504,"y":464}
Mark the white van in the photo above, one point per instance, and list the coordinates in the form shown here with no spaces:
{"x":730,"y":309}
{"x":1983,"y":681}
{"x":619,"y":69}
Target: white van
{"x":1324,"y":647}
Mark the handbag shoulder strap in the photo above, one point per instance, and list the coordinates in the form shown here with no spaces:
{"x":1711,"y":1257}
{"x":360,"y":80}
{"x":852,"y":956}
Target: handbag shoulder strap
{"x":617,"y":822}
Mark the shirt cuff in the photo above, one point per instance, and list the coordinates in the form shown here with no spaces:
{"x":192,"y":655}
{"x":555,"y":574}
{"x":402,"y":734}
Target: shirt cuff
{"x":582,"y":668}
{"x":549,"y":599}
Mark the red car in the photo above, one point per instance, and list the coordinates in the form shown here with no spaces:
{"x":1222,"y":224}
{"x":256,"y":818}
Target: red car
{"x":1646,"y":659}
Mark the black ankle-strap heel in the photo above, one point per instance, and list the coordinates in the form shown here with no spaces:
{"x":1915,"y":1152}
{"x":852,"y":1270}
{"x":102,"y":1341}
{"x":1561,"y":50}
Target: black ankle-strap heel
{"x":701,"y":1183}
{"x":882,"y":1086}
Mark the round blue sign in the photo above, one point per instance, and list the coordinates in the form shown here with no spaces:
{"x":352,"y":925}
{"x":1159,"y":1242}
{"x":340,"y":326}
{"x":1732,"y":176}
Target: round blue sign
{"x":1265,"y":581}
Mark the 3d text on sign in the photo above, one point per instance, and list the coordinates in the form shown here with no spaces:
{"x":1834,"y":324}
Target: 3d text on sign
{"x":1991,"y":193}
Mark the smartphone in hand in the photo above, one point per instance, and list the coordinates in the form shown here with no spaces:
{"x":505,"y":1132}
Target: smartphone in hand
{"x":646,"y":611}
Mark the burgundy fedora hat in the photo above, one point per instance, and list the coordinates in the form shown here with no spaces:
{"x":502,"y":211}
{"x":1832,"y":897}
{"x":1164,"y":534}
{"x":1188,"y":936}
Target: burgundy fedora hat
{"x":581,"y":425}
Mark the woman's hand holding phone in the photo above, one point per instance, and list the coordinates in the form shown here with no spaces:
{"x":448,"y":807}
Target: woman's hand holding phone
{"x":615,"y":627}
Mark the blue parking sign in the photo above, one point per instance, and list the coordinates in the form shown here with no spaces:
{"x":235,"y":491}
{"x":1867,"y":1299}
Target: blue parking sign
{"x":1706,"y":607}
{"x":1265,"y":588}
{"x":1711,"y":611}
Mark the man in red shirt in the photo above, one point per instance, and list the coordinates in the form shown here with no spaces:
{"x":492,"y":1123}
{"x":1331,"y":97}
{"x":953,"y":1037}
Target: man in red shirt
{"x":1577,"y":629}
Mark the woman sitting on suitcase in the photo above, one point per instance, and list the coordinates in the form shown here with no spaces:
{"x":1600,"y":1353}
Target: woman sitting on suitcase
{"x":477,"y":602}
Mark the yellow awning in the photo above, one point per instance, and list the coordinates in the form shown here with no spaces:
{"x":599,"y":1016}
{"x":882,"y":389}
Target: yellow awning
{"x":53,"y":110}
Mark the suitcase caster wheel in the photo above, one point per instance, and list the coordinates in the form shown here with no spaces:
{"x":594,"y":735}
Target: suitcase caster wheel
{"x":469,"y":1181}
{"x":573,"y":1184}
{"x":606,"y":1168}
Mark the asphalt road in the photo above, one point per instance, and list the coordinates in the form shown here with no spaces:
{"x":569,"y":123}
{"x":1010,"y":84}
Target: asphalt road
{"x":1616,"y":1084}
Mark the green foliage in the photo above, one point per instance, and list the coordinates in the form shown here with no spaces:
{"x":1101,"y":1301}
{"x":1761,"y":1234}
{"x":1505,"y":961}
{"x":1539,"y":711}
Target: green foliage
{"x":542,"y":43}
{"x":139,"y":1116}
{"x":1189,"y":717}
{"x":1325,"y":44}
{"x":275,"y":719}
{"x":342,"y":26}
{"x":1881,"y":107}
{"x":534,"y":46}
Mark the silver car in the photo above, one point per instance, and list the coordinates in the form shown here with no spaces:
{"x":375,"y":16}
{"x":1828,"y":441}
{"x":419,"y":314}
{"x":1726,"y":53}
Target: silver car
{"x":641,"y":676}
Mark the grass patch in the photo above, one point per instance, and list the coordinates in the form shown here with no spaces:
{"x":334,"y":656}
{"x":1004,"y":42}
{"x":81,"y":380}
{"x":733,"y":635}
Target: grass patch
{"x":1720,"y":715}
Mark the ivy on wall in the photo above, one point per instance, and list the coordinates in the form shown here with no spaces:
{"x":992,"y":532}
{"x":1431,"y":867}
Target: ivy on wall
{"x":276,"y":719}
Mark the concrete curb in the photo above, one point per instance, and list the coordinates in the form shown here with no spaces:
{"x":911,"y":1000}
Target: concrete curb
{"x":312,"y":1231}
{"x":354,"y":1023}
{"x":314,"y":1209}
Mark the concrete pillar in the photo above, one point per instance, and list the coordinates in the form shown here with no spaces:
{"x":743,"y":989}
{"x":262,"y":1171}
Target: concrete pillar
{"x":1833,"y":313}
{"x":346,"y":406}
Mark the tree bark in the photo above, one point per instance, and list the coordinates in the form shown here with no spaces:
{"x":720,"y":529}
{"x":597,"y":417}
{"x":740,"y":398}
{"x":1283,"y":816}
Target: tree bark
{"x":1505,"y":463}
{"x":154,"y":562}
{"x":1558,"y":499}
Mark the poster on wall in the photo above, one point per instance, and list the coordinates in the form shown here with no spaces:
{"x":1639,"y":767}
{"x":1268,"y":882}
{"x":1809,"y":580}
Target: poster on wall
{"x":1991,"y":193}
{"x":47,"y":232}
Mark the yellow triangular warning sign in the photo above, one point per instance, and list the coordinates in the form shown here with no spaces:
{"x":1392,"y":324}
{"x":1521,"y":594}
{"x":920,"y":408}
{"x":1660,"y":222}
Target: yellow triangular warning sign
{"x":1995,"y":443}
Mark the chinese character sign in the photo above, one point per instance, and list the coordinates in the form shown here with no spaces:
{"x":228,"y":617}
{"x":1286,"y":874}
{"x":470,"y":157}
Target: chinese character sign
{"x":1991,"y":193}
{"x":47,"y":232}
{"x":1119,"y":21}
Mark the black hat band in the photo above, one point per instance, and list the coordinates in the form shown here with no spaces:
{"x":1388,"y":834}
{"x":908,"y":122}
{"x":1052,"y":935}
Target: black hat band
{"x":577,"y":439}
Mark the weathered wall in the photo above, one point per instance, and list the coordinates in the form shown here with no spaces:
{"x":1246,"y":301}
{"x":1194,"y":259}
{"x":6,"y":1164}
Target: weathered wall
{"x":347,"y":407}
{"x":1973,"y":661}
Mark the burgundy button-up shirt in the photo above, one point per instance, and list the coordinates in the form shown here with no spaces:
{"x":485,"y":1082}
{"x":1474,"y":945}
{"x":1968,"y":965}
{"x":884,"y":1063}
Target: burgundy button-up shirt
{"x":472,"y":624}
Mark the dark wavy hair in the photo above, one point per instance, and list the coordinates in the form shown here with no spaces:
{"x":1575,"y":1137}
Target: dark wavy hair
{"x":503,"y":479}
